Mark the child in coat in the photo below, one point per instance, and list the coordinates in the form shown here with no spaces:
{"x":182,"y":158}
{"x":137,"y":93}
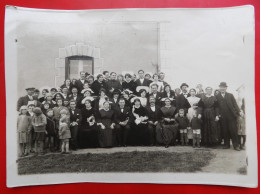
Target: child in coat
{"x":24,"y":127}
{"x":50,"y":128}
{"x":183,"y":122}
{"x":39,"y":123}
{"x":64,"y":134}
{"x":196,"y":125}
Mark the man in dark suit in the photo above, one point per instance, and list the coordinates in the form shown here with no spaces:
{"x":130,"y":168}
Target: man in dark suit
{"x":153,"y":119}
{"x":115,"y":99}
{"x":228,"y":114}
{"x":75,"y":120}
{"x":80,"y":82}
{"x":113,"y":84}
{"x":75,"y":96}
{"x":122,"y":120}
{"x":181,"y":100}
{"x":23,"y":101}
{"x":141,"y":81}
{"x":157,"y":95}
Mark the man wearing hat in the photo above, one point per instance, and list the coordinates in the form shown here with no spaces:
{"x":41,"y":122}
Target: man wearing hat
{"x":181,"y":100}
{"x":23,"y":101}
{"x":228,"y":114}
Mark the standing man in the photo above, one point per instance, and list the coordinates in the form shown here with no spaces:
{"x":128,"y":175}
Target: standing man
{"x":161,"y":78}
{"x":113,"y":84}
{"x":76,"y":97}
{"x":157,"y":95}
{"x":122,"y":120}
{"x":141,"y":81}
{"x":65,"y":93}
{"x":106,"y":76}
{"x":23,"y":101}
{"x":228,"y":114}
{"x":75,"y":120}
{"x":80,"y":83}
{"x":181,"y":100}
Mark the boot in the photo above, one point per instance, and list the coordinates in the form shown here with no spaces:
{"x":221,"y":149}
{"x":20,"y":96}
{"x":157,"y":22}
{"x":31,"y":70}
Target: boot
{"x":198,"y":141}
{"x":185,"y":138}
{"x":194,"y":140}
{"x":182,"y":139}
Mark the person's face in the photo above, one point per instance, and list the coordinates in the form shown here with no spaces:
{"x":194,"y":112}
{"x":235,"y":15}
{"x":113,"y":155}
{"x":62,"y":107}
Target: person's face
{"x":102,"y":94}
{"x":36,"y":94}
{"x":152,"y":100}
{"x":65,"y":90}
{"x":87,"y":104}
{"x":177,"y":91}
{"x":128,"y":79}
{"x":44,"y":92}
{"x":73,"y":105}
{"x":181,"y":114}
{"x":58,"y":97}
{"x":50,"y":114}
{"x":90,"y":80}
{"x":192,"y":93}
{"x":107,"y":75}
{"x":120,"y":78}
{"x":184,"y":89}
{"x":143,"y":94}
{"x":24,"y":111}
{"x":222,"y":89}
{"x":147,"y":76}
{"x":167,"y":88}
{"x":86,"y":86}
{"x":167,"y":102}
{"x":59,"y":102}
{"x":82,"y":75}
{"x":154,"y":89}
{"x":101,"y":78}
{"x":113,"y":76}
{"x":74,"y":91}
{"x":141,"y":74}
{"x":155,"y":78}
{"x":73,"y":81}
{"x":116,"y":96}
{"x":106,"y":105}
{"x":162,"y":75}
{"x":134,"y":77}
{"x":137,"y":103}
{"x":66,"y":102}
{"x":121,"y":103}
{"x":67,"y":82}
{"x":209,"y":91}
{"x":126,"y":96}
{"x":87,"y":93}
{"x":30,"y":92}
{"x":46,"y":106}
{"x":53,"y":92}
{"x":30,"y":108}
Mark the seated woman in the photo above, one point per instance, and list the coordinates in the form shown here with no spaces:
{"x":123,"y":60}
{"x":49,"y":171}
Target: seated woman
{"x":143,"y":96}
{"x":166,"y":132}
{"x":106,"y":125}
{"x":88,"y":133}
{"x":139,"y":132}
{"x":129,"y":84}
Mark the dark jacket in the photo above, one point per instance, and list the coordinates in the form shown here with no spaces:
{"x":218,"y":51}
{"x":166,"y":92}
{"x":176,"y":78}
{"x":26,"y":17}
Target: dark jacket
{"x":196,"y":123}
{"x":79,"y":84}
{"x":114,"y":104}
{"x":130,"y":86}
{"x":154,"y":116}
{"x":227,"y":106}
{"x":182,"y":103}
{"x":122,"y":116}
{"x":157,"y":98}
{"x":183,"y":122}
{"x":96,"y":86}
{"x":24,"y":101}
{"x":78,"y":100}
{"x":76,"y":117}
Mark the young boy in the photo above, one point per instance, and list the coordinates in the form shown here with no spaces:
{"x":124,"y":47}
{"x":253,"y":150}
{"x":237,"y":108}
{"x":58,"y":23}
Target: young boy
{"x":50,"y":128}
{"x":64,"y":135}
{"x":183,"y":122}
{"x":196,"y":125}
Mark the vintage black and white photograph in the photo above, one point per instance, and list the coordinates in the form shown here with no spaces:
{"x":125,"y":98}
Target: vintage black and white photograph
{"x":134,"y":95}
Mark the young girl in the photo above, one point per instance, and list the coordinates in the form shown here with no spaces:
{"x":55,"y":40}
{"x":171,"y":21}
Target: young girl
{"x":50,"y":128}
{"x":196,"y":125}
{"x":64,"y":135}
{"x":24,"y":128}
{"x":39,"y":124}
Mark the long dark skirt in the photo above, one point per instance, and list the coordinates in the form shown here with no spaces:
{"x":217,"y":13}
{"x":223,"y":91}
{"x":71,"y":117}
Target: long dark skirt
{"x":105,"y":137}
{"x":166,"y":134}
{"x":138,"y":135}
{"x":88,"y":137}
{"x":211,"y":130}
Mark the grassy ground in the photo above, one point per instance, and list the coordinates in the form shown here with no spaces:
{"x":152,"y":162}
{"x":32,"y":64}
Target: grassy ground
{"x":157,"y":161}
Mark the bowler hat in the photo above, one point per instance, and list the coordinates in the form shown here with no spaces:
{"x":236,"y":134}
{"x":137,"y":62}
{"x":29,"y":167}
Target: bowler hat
{"x":223,"y":84}
{"x":184,"y":84}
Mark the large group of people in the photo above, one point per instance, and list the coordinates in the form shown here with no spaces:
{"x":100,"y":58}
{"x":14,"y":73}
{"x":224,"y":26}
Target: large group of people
{"x":127,"y":110}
